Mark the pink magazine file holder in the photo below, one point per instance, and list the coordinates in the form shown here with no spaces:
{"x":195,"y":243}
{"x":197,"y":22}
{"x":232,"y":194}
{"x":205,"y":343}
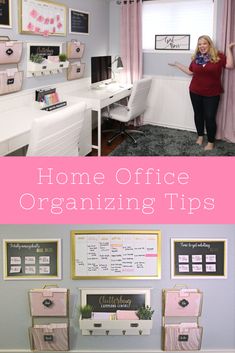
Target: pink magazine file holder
{"x":10,"y":83}
{"x":75,"y":50}
{"x":75,"y":71}
{"x":126,"y":315}
{"x":182,"y":338}
{"x":52,"y":337}
{"x":10,"y":51}
{"x":49,"y":302}
{"x":183,"y":302}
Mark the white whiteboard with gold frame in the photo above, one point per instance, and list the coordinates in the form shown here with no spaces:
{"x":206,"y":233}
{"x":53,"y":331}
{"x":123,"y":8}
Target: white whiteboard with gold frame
{"x":116,"y":254}
{"x":42,"y":17}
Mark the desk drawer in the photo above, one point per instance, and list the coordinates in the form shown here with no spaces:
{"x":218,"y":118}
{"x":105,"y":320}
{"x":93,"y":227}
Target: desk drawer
{"x":3,"y":148}
{"x":18,"y":142}
{"x":114,"y":97}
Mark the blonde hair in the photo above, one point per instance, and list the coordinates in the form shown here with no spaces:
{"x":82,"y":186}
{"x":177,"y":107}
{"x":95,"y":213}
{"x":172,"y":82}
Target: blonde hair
{"x":213,"y":52}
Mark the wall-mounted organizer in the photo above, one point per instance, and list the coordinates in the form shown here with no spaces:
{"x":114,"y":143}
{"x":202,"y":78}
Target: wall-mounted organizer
{"x":49,"y":308}
{"x":75,"y":51}
{"x":44,"y":59}
{"x":115,"y":311}
{"x":181,"y":311}
{"x":11,"y":79}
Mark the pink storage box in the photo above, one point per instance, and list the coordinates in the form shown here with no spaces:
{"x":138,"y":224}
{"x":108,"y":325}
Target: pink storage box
{"x":75,"y":50}
{"x":49,"y":302}
{"x":126,"y":315}
{"x":182,"y":338}
{"x":182,"y":302}
{"x":10,"y":51}
{"x":52,"y":337}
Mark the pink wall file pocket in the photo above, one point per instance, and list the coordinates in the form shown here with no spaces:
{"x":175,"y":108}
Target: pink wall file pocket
{"x":10,"y":81}
{"x":49,"y":302}
{"x":182,"y":337}
{"x":183,"y":302}
{"x":10,"y":51}
{"x":52,"y":337}
{"x":75,"y":50}
{"x":75,"y":71}
{"x":181,"y":310}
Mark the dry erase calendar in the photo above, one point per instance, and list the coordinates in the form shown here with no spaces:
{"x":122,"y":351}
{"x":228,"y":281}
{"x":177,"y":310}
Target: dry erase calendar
{"x":117,"y":254}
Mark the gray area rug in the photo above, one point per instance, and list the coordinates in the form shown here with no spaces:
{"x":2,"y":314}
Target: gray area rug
{"x":162,"y":141}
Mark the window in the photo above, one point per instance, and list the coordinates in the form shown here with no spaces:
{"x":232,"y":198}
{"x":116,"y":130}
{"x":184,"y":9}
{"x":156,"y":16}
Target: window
{"x":194,"y":17}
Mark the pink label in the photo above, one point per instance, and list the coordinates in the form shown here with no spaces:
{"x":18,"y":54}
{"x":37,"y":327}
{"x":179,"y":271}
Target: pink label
{"x":113,"y":190}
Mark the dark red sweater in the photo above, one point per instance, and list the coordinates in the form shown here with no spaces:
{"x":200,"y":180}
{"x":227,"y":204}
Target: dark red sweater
{"x":206,"y":79}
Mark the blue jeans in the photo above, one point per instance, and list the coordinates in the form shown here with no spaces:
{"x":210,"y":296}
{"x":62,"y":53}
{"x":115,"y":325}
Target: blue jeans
{"x":205,"y":109}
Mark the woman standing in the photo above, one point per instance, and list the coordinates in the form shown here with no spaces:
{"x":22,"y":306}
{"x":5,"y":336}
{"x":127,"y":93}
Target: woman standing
{"x":205,"y":87}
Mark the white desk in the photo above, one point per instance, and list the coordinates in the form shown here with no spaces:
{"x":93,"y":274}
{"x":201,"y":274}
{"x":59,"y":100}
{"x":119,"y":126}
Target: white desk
{"x":101,"y":98}
{"x":18,"y":113}
{"x":16,"y":122}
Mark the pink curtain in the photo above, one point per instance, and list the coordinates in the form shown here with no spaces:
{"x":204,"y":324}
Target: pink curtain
{"x":226,"y":113}
{"x":131,"y":40}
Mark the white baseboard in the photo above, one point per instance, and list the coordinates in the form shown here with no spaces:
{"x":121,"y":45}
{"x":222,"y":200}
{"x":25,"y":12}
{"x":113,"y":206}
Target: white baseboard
{"x":170,"y":126}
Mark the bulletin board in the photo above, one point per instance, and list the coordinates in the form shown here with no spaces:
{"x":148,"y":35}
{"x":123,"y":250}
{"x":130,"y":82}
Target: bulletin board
{"x":198,"y":258}
{"x":32,"y":259}
{"x":42,"y":17}
{"x":116,"y":254}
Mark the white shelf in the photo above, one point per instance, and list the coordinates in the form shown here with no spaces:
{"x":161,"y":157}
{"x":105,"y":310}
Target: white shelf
{"x":46,"y":68}
{"x":115,"y":327}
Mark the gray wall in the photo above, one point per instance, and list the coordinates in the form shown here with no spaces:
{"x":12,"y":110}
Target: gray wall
{"x":218,"y":315}
{"x":97,"y":42}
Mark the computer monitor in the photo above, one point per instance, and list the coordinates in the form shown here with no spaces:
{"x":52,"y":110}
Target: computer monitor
{"x":101,"y":70}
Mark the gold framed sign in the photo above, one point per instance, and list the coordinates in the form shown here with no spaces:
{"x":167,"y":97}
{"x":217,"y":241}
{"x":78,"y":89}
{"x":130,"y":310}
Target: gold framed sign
{"x":5,"y":14}
{"x":31,"y":259}
{"x":42,"y":17}
{"x":115,"y":254}
{"x":198,"y":258}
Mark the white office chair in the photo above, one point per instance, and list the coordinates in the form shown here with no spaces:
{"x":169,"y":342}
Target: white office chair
{"x":135,"y":107}
{"x":57,"y":133}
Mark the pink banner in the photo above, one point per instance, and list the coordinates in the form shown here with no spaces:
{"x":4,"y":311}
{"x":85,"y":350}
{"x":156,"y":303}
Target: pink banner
{"x":113,"y":190}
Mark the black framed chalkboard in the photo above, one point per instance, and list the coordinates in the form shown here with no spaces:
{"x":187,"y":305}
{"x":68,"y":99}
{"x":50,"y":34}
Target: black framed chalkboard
{"x":113,"y":302}
{"x":198,"y":258}
{"x":79,"y":22}
{"x":5,"y":13}
{"x":112,"y":299}
{"x":32,"y":258}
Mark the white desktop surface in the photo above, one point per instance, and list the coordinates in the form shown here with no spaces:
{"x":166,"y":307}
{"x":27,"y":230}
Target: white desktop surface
{"x":17,"y":121}
{"x":16,"y":124}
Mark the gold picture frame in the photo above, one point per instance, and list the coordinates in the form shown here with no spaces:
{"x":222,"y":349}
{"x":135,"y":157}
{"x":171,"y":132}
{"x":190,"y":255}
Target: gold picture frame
{"x":198,"y":258}
{"x":31,"y":259}
{"x":115,"y":254}
{"x":42,"y":17}
{"x":5,"y":13}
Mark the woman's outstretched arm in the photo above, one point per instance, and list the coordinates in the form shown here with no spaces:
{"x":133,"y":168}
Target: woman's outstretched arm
{"x":181,"y":67}
{"x":229,"y":54}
